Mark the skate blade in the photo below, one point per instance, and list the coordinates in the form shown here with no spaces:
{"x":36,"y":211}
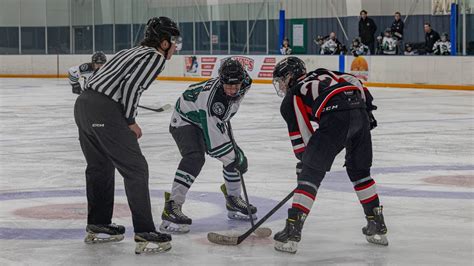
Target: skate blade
{"x":289,"y":247}
{"x":233,"y":215}
{"x":92,"y":238}
{"x":378,"y":240}
{"x":173,"y":228}
{"x":142,"y":247}
{"x":263,"y":232}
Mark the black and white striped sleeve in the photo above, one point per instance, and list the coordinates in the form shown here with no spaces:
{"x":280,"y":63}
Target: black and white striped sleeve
{"x":138,"y":80}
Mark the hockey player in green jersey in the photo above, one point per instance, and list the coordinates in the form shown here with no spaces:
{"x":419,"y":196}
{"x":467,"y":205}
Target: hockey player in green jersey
{"x":198,"y":125}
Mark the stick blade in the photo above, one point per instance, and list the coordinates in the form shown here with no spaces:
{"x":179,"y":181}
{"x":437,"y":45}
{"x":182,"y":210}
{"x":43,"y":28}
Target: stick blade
{"x":263,"y":232}
{"x":166,"y":107}
{"x":222,"y":239}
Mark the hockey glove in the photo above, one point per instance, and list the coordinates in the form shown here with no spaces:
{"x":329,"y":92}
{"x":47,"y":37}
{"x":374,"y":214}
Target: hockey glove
{"x":299,"y":168}
{"x":76,"y":88}
{"x":240,"y":163}
{"x":372,"y":121}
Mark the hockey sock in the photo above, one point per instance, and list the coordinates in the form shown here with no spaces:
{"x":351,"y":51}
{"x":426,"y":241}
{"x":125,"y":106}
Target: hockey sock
{"x":189,"y":168}
{"x":365,"y":189}
{"x":232,"y":182}
{"x":367,"y":194}
{"x":182,"y":183}
{"x":305,"y":192}
{"x":304,"y":198}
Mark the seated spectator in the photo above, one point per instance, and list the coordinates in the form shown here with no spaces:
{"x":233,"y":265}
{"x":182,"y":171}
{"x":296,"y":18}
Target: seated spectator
{"x":409,"y":49}
{"x":331,"y":45}
{"x":358,"y":48}
{"x":389,"y":43}
{"x":442,"y":46}
{"x":285,"y":47}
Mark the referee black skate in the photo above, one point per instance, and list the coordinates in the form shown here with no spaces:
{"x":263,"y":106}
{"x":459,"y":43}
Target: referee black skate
{"x":108,"y":133}
{"x":342,"y":107}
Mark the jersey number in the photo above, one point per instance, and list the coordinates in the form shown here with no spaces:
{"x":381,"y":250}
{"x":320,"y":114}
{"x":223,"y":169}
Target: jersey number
{"x":221,"y":127}
{"x":192,"y":93}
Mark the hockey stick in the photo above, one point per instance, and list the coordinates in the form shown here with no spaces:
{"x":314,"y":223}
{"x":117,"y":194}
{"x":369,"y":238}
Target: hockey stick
{"x":160,"y":109}
{"x":235,"y":240}
{"x":262,"y":232}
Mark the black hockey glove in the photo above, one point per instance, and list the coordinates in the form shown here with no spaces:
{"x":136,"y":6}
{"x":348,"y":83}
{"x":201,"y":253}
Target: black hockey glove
{"x":299,"y":168}
{"x":76,"y":88}
{"x":240,"y":163}
{"x":372,"y":121}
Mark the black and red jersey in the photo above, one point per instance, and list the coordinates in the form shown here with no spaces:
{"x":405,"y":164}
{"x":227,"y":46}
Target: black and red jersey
{"x":320,"y":92}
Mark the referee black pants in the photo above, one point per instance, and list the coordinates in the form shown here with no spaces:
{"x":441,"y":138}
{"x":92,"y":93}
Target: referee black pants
{"x":109,"y":144}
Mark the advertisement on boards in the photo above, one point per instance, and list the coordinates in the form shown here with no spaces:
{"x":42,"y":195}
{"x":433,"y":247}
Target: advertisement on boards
{"x":258,"y":67}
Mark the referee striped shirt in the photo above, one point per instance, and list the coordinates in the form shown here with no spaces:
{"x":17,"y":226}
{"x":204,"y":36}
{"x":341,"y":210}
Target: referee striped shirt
{"x":125,"y":77}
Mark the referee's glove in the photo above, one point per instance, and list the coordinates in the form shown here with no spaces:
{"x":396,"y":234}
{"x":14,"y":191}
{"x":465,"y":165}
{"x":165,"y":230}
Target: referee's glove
{"x":372,"y":121}
{"x":76,"y":88}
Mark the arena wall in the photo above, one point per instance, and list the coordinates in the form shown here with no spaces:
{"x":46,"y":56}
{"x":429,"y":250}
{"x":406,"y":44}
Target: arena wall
{"x":384,"y":71}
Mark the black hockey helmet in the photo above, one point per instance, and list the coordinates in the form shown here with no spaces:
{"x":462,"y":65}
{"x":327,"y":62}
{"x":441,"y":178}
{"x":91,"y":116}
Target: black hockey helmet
{"x":286,"y":74}
{"x":99,"y":58}
{"x":161,"y":29}
{"x":231,"y":71}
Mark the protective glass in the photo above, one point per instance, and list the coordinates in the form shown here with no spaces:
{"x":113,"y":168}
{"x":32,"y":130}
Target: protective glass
{"x":281,"y":85}
{"x":178,"y":41}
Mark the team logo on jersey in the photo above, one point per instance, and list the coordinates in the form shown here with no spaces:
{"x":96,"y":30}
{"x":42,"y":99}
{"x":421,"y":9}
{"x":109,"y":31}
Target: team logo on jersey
{"x":218,"y":108}
{"x":84,"y":67}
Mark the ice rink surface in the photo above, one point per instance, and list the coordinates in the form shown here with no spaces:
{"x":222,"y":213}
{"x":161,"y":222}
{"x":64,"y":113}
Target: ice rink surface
{"x":423,"y":165}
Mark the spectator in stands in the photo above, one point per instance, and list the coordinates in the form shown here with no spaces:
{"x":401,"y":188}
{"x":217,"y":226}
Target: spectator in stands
{"x":389,"y":43}
{"x":443,"y":45}
{"x":409,"y":49}
{"x":431,"y":37}
{"x":331,"y":45}
{"x":358,"y":48}
{"x":397,"y":29}
{"x":285,"y":47}
{"x":319,"y":41}
{"x":367,"y":29}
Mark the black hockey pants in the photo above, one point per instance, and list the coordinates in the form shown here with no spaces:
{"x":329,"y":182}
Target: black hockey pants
{"x":338,"y":130}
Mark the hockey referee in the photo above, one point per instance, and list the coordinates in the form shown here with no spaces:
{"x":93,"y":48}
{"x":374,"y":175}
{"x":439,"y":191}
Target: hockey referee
{"x":105,"y":116}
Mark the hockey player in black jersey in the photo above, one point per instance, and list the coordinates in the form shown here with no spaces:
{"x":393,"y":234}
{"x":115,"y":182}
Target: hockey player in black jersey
{"x":342,"y":107}
{"x":84,"y":71}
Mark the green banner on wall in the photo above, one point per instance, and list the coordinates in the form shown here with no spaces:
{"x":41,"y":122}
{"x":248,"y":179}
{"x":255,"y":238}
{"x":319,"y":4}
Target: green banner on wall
{"x":298,"y":36}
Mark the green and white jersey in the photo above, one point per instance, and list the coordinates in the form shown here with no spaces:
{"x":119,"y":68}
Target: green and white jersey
{"x":205,"y":105}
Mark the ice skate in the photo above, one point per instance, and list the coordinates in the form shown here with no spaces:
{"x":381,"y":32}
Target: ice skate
{"x":162,"y":242}
{"x":237,"y":207}
{"x":375,"y":231}
{"x":174,"y":220}
{"x":287,"y":239}
{"x":96,"y":232}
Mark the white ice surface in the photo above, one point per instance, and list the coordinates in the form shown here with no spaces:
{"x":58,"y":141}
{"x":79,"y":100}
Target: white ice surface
{"x":421,"y":133}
